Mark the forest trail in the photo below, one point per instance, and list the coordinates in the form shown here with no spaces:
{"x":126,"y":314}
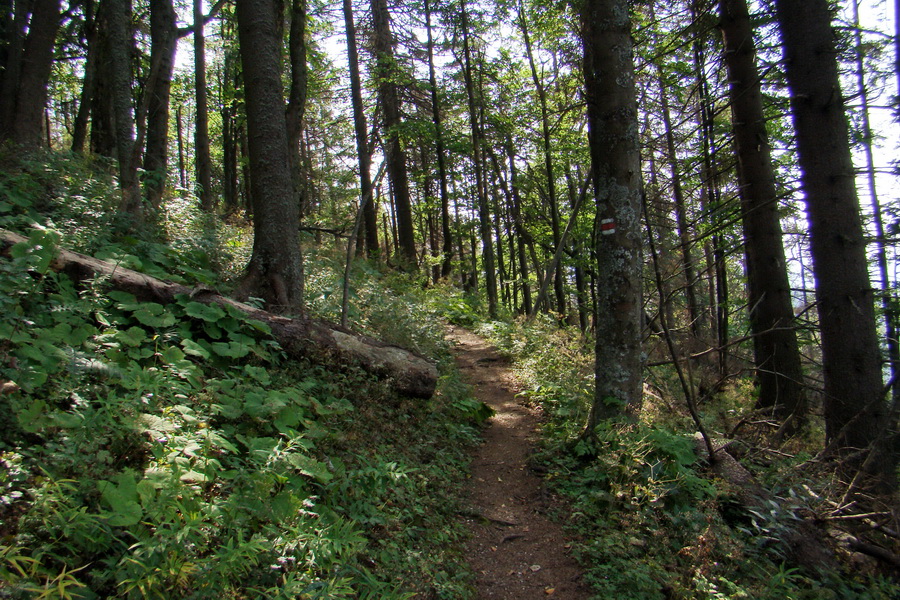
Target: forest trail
{"x":516,"y":551}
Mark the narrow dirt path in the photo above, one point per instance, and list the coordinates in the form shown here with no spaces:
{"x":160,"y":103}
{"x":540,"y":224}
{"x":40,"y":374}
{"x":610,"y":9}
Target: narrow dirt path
{"x":516,"y":551}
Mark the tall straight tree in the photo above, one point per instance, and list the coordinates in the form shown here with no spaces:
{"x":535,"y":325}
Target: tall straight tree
{"x":446,"y":233}
{"x":23,"y":97}
{"x":386,"y":73}
{"x":548,"y":158}
{"x":202,"y":161}
{"x":854,"y":406}
{"x":117,"y":18}
{"x":776,"y":353}
{"x":296,"y":107}
{"x":613,"y":137}
{"x":363,"y":150}
{"x":163,"y":40}
{"x":275,"y":270}
{"x":484,"y":216}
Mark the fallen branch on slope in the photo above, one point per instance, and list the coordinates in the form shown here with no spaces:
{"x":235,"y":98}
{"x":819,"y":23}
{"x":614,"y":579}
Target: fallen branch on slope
{"x":301,"y":337}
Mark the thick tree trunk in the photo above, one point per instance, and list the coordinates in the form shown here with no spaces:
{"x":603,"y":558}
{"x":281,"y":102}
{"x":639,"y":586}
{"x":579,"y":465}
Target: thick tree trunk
{"x":363,"y":151}
{"x":854,"y":407}
{"x":202,"y":161}
{"x":389,"y":99}
{"x":776,"y":353}
{"x":37,"y":61}
{"x":163,"y":39}
{"x":615,"y":157}
{"x":118,"y":19}
{"x":275,"y":270}
{"x":302,"y":337}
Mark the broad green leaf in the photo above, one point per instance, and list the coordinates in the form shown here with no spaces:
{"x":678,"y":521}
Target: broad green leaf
{"x":231,"y":349}
{"x":206,"y":312}
{"x":122,"y":496}
{"x":133,"y":336}
{"x":154,"y":315}
{"x":311,"y":467}
{"x":192,"y":348}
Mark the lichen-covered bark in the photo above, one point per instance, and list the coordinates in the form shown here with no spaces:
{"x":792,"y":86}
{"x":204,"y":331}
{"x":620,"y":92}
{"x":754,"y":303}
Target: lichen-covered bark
{"x":613,"y":134}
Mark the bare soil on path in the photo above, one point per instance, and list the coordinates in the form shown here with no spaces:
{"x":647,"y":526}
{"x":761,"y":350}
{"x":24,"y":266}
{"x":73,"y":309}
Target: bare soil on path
{"x":516,"y":551}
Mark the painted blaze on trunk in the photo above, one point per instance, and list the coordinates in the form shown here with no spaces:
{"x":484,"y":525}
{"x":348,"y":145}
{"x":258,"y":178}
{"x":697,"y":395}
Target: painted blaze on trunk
{"x":613,"y":134}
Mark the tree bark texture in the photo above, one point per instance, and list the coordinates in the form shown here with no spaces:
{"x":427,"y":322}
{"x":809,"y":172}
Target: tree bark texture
{"x":296,"y":107}
{"x":854,"y":407}
{"x":275,"y":270}
{"x":118,"y":21}
{"x":776,"y":352}
{"x":37,"y":61}
{"x":163,"y":39}
{"x":613,"y":137}
{"x":202,"y":161}
{"x":302,"y":337}
{"x":82,"y":118}
{"x":389,"y":98}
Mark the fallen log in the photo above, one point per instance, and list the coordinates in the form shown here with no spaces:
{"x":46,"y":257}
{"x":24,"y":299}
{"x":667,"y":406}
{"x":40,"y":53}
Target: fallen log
{"x":301,"y":337}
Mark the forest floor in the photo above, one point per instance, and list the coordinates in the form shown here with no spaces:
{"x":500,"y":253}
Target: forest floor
{"x":516,"y":550}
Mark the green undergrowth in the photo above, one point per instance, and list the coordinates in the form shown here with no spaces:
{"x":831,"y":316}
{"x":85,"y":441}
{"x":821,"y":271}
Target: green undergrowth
{"x":174,"y":451}
{"x":649,"y":521}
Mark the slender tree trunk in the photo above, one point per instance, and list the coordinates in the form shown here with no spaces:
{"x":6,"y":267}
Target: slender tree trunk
{"x":854,"y":407}
{"x":202,"y":162}
{"x":613,"y":136}
{"x":776,"y":353}
{"x":275,"y":269}
{"x":163,"y":36}
{"x":389,"y":98}
{"x":446,"y":233}
{"x":363,"y":151}
{"x":484,"y":218}
{"x":548,"y":161}
{"x":83,"y":116}
{"x":296,"y":107}
{"x":681,"y":220}
{"x":887,"y":301}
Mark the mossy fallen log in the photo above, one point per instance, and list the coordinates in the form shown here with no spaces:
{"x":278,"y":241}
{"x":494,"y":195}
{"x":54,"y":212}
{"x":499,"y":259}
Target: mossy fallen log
{"x":301,"y":337}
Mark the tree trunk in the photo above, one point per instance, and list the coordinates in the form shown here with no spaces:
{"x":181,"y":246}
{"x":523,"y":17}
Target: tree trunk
{"x":83,"y":116}
{"x":202,"y":164}
{"x":389,"y":99}
{"x":118,"y":20}
{"x":854,"y":407}
{"x":553,"y":201}
{"x":296,"y":108}
{"x":613,"y":137}
{"x":163,"y":40}
{"x":484,"y":218}
{"x":37,"y":61}
{"x":275,"y":270}
{"x":363,"y":150}
{"x":776,"y":353}
{"x":446,"y":233}
{"x":681,"y":220}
